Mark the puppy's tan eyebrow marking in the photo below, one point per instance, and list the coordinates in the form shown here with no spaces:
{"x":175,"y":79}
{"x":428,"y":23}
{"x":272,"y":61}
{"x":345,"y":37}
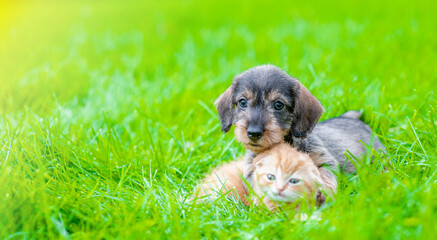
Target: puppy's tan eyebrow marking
{"x":247,"y":94}
{"x":276,"y":95}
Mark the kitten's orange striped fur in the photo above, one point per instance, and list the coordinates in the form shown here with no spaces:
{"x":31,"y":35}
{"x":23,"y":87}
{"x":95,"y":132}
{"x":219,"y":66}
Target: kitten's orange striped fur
{"x":282,"y":175}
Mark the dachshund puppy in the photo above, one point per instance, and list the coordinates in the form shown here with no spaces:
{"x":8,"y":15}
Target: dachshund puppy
{"x":268,"y":107}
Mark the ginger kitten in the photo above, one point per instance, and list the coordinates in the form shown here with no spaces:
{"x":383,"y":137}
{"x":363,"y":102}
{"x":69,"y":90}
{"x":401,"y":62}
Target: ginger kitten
{"x":282,"y":175}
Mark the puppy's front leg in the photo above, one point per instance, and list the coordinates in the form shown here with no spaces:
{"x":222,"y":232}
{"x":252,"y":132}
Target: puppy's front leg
{"x":249,"y":169}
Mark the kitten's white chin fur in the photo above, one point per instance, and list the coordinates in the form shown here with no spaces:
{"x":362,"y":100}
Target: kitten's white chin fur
{"x":291,"y":197}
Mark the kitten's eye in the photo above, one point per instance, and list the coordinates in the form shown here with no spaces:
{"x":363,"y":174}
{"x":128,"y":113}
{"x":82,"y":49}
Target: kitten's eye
{"x":294,"y":181}
{"x":279,"y":105}
{"x":243,"y":103}
{"x":270,"y":177}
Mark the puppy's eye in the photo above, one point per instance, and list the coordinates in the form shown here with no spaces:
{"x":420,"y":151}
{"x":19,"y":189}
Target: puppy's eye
{"x":294,"y":181}
{"x":271,"y":177}
{"x":279,"y":105}
{"x":243,"y":103}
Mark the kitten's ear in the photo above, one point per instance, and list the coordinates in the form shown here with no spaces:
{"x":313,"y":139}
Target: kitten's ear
{"x":317,"y":180}
{"x":307,"y":111}
{"x":258,"y":161}
{"x":225,"y":109}
{"x":320,"y":196}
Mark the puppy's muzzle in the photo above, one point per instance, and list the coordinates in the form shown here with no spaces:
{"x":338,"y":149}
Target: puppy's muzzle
{"x":254,"y":133}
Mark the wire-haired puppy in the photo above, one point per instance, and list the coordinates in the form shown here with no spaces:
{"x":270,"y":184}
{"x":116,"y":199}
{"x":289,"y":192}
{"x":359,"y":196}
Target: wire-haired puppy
{"x":267,"y":107}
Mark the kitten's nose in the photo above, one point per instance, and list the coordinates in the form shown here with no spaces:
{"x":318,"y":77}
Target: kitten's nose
{"x":254,"y":132}
{"x":280,"y":190}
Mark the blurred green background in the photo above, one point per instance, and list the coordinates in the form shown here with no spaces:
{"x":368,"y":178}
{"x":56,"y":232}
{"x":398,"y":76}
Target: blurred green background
{"x":107,"y":119}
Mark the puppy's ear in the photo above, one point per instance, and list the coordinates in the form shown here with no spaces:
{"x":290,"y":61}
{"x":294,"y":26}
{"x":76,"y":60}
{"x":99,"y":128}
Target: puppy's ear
{"x":307,"y":112}
{"x":225,"y":109}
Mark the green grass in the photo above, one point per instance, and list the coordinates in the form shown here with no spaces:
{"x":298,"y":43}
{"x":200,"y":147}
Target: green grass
{"x":107,"y":119}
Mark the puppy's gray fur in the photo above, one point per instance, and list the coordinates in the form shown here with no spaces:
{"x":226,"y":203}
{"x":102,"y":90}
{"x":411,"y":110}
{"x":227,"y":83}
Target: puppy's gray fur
{"x":330,"y":141}
{"x":260,"y":89}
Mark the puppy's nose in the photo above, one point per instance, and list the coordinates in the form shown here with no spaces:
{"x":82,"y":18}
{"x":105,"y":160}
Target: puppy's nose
{"x":254,"y":133}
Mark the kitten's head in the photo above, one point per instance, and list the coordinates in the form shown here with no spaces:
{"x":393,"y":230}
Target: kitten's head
{"x":283,"y":174}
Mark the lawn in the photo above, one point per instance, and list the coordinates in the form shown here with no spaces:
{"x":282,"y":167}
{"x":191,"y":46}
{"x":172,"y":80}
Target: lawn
{"x":107,"y":120}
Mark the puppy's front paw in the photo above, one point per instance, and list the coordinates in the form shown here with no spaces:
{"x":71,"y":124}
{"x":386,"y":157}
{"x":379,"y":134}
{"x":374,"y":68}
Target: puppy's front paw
{"x":320,"y":198}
